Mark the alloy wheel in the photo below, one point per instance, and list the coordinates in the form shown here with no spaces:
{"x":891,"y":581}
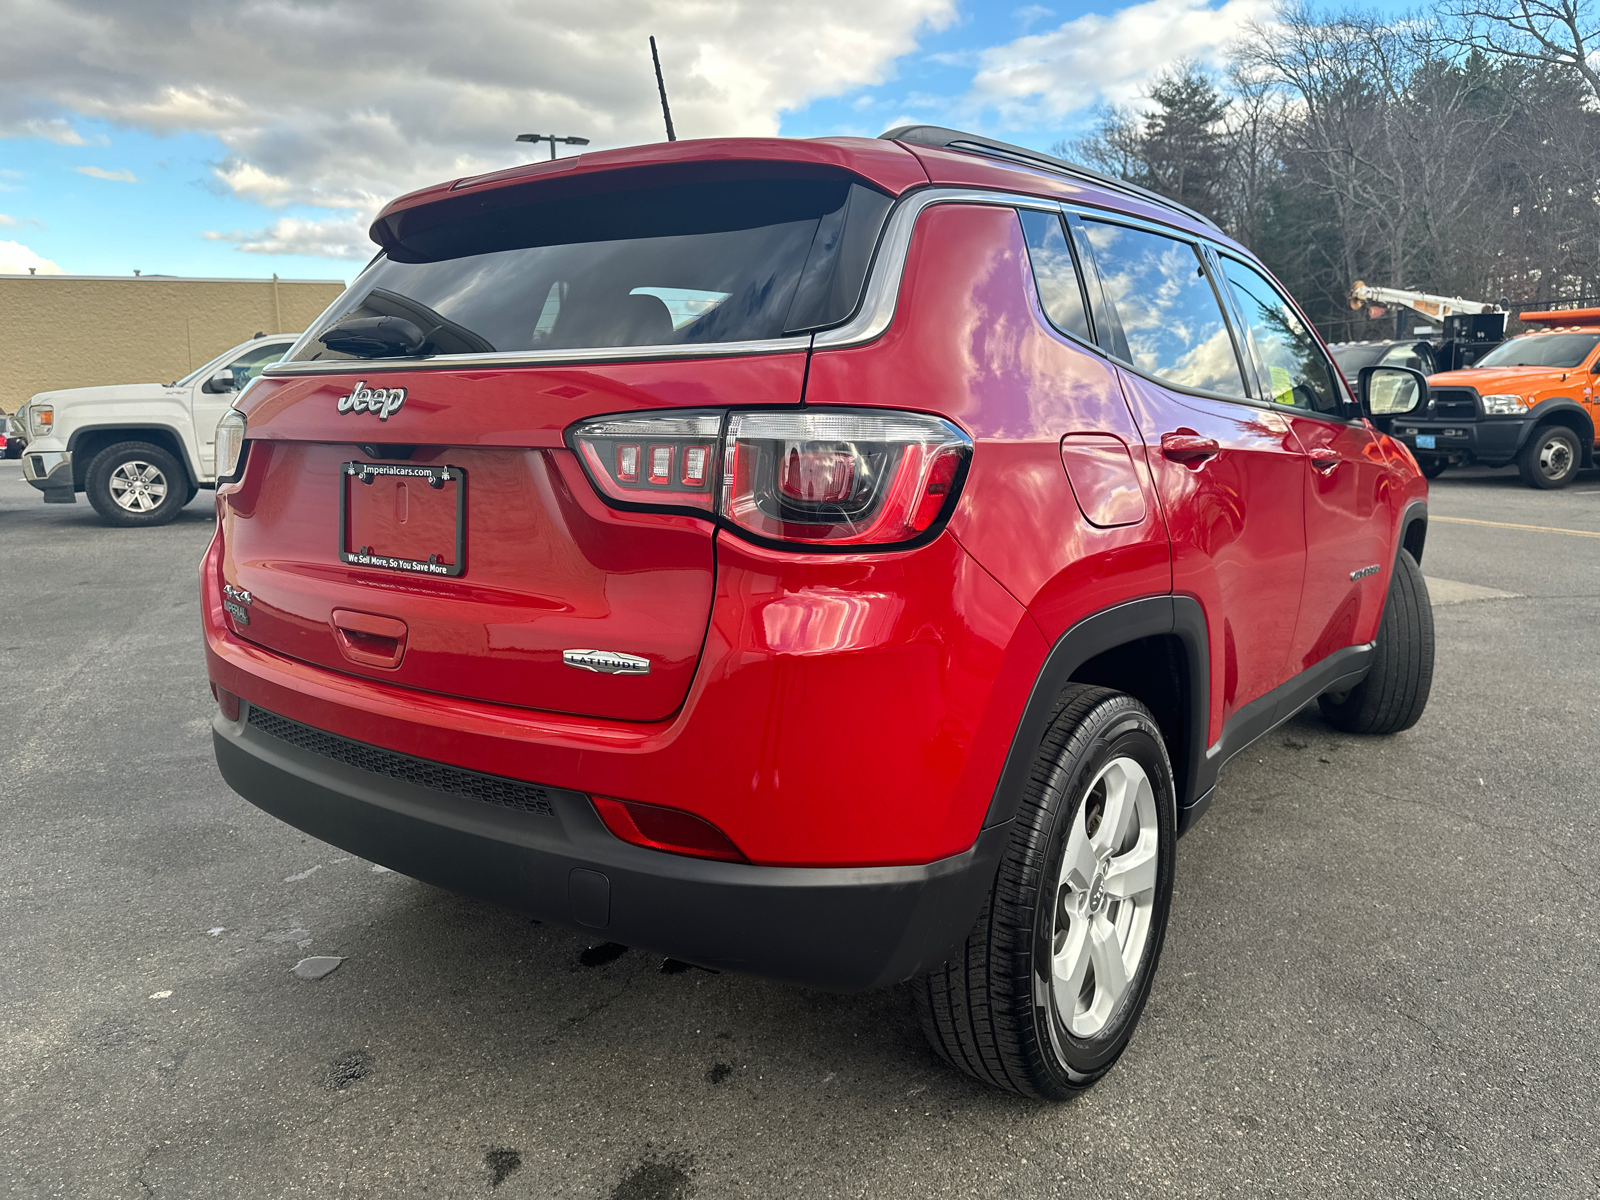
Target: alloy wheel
{"x":138,"y":486}
{"x":1105,"y":897}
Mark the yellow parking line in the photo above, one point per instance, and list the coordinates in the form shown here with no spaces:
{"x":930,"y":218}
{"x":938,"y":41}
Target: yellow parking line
{"x":1530,"y":528}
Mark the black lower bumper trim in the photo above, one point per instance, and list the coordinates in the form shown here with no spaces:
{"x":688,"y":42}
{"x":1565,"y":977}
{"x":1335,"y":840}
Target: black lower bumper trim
{"x":842,"y":929}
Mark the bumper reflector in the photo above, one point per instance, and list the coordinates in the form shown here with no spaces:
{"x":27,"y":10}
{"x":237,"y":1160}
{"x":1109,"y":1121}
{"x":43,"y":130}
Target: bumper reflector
{"x":669,"y":829}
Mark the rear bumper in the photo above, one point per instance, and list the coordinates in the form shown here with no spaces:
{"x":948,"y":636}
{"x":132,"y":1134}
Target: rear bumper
{"x":842,"y":929}
{"x":1493,"y":442}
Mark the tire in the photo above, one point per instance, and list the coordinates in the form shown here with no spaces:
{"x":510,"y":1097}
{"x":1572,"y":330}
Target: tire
{"x":1432,"y":465}
{"x":136,"y":484}
{"x":992,"y":1011}
{"x":1394,"y":693}
{"x":1551,"y":457}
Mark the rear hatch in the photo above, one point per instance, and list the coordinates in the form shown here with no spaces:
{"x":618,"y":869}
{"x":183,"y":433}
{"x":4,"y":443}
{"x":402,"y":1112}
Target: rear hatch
{"x":408,"y":509}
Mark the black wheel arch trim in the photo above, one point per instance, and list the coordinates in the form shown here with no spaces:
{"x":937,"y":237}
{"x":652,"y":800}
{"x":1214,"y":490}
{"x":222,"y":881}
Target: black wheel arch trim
{"x":1413,"y":532}
{"x":1539,"y":415}
{"x":1196,"y":770}
{"x":1131,"y":621}
{"x":75,"y":439}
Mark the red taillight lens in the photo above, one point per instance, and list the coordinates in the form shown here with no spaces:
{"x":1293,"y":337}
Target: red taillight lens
{"x":631,"y":458}
{"x":812,"y":477}
{"x":227,"y":702}
{"x":628,"y":464}
{"x":815,"y":476}
{"x":669,"y":829}
{"x":840,"y":477}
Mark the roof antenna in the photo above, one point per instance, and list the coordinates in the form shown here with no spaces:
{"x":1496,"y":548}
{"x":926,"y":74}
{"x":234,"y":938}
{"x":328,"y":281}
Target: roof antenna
{"x":661,"y":86}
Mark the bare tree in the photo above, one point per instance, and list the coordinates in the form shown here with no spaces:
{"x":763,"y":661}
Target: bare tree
{"x":1557,"y":33}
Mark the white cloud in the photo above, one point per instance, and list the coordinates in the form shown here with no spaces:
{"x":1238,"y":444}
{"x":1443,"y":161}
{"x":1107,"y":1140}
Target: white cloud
{"x":337,"y":238}
{"x":1037,"y":79}
{"x":17,"y":259}
{"x":123,"y":176}
{"x":5,"y":220}
{"x":1031,"y":14}
{"x":343,"y":104}
{"x":53,"y":129}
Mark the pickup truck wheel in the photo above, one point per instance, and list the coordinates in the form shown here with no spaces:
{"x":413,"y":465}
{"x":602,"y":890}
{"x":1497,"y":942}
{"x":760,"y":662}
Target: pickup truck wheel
{"x":136,"y":483}
{"x":1432,"y":465}
{"x":1551,"y":457}
{"x":1395,"y":691}
{"x":1049,"y":986}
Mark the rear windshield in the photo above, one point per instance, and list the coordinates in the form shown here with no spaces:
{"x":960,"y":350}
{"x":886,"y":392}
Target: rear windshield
{"x":682,"y":265}
{"x":1561,"y":350}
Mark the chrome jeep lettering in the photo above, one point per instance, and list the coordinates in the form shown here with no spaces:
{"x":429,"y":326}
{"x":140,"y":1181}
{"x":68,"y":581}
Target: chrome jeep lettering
{"x":385,"y":402}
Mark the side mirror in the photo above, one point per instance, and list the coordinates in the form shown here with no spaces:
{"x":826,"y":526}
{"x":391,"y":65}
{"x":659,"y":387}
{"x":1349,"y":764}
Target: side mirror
{"x":1391,"y":392}
{"x":222,"y":381}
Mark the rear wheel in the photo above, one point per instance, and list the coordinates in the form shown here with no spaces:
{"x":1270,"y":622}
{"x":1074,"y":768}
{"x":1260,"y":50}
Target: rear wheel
{"x":1047,"y":991}
{"x":1395,"y":691}
{"x":136,"y":483}
{"x":1551,"y":457}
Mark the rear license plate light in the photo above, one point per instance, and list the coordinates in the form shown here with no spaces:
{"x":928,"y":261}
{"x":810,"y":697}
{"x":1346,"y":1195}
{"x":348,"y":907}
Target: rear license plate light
{"x":401,"y":517}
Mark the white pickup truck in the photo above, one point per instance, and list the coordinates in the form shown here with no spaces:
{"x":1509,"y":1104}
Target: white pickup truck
{"x":140,"y":451}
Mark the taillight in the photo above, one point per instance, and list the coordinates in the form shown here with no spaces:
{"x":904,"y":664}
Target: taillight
{"x":660,"y":828}
{"x":816,"y":477}
{"x":657,"y":459}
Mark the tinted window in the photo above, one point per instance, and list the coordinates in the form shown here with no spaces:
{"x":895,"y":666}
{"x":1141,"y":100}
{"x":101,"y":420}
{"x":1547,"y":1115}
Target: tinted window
{"x":1418,"y":358}
{"x":688,"y":264}
{"x":1169,"y":313}
{"x":1562,"y":350}
{"x":1289,"y":361}
{"x":1055,"y":272}
{"x":250,"y":364}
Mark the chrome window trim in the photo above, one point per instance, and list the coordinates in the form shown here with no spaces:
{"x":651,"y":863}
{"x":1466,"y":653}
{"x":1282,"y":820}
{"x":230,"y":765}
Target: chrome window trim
{"x":796,"y":344}
{"x":871,"y":320}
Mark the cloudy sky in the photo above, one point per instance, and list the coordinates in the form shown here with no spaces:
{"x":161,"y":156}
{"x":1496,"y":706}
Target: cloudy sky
{"x":243,"y":137}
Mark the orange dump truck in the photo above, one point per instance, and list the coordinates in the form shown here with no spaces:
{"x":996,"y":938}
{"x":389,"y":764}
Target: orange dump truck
{"x":1531,"y":400}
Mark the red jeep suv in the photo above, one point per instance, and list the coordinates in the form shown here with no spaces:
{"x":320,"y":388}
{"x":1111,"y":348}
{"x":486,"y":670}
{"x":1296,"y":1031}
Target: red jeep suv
{"x":848,"y":561}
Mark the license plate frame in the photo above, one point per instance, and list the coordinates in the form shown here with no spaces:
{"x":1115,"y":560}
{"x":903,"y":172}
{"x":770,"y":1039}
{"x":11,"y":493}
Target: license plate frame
{"x":1427,"y":441}
{"x":355,"y":474}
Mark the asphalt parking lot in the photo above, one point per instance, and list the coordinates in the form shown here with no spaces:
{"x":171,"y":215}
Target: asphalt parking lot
{"x":1381,"y":977}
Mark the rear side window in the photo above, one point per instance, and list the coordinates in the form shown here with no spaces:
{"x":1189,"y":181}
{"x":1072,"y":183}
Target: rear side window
{"x":1289,"y":362}
{"x":688,"y":264}
{"x":1169,"y":313}
{"x":1055,"y":273}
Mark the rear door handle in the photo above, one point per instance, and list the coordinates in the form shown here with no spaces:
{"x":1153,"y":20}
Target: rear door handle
{"x":1188,"y":447}
{"x":1323,"y":459}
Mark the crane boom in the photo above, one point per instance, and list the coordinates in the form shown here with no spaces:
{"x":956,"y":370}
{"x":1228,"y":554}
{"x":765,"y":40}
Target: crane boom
{"x":1429,"y":305}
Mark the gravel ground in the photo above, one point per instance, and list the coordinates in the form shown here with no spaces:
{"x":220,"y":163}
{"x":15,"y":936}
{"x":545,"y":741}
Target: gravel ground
{"x":1380,"y":978}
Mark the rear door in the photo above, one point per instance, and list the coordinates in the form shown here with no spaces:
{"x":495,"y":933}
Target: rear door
{"x":1348,"y":536}
{"x":1229,"y":472}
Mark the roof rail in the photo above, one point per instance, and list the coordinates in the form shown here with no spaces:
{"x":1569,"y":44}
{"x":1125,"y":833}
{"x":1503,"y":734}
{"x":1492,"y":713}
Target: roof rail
{"x":955,"y":139}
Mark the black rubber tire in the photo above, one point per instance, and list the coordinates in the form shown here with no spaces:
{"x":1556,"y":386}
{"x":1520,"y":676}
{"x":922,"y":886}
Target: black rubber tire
{"x":1394,"y":693}
{"x":97,"y":484}
{"x":1433,"y":465}
{"x":1528,"y":457}
{"x":982,"y":1011}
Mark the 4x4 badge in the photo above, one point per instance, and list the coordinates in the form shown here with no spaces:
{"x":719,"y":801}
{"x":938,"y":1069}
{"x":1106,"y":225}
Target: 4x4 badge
{"x":383,"y":401}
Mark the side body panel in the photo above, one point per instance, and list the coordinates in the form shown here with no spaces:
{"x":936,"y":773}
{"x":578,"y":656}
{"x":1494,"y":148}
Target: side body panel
{"x":970,"y":343}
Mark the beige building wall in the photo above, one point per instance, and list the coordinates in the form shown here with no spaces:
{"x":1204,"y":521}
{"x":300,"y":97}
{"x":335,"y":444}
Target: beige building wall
{"x":67,"y":331}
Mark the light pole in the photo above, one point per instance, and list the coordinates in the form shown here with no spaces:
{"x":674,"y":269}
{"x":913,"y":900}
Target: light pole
{"x":553,"y":140}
